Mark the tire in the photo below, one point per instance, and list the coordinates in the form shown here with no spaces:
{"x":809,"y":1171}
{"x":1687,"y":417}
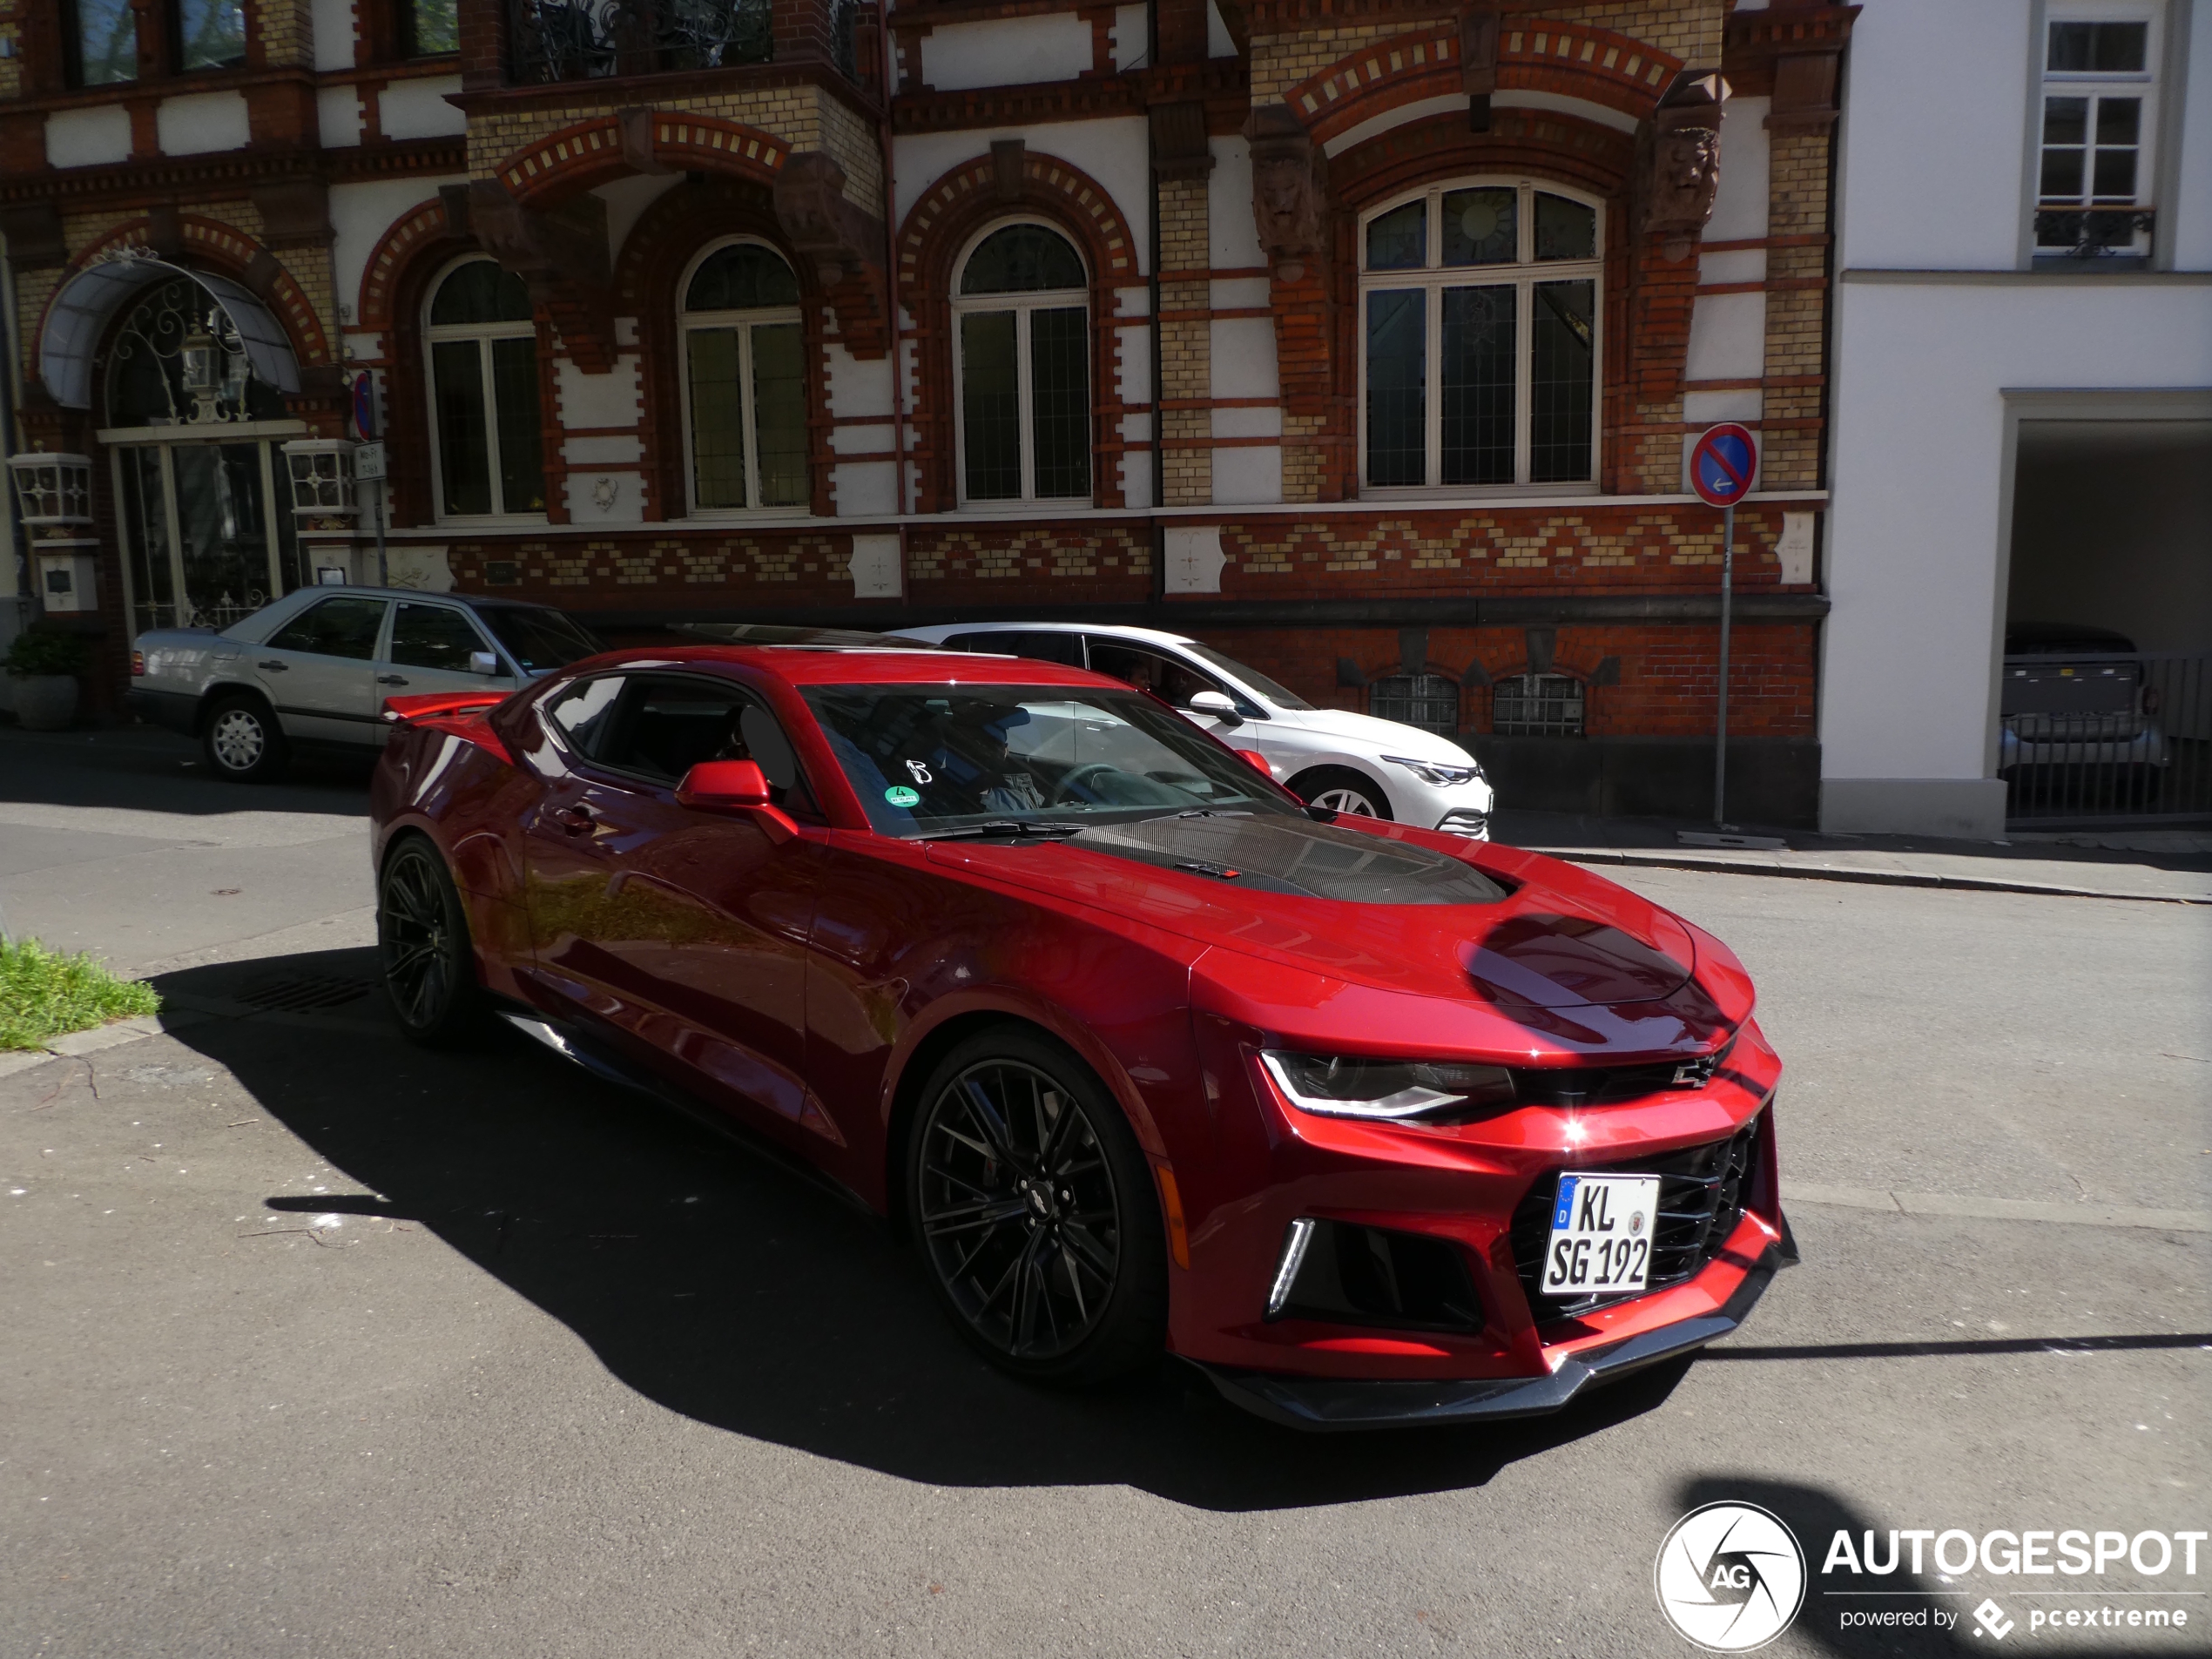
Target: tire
{"x":1062,"y":1282}
{"x":422,"y":947}
{"x":1341,"y":790}
{"x":242,"y":740}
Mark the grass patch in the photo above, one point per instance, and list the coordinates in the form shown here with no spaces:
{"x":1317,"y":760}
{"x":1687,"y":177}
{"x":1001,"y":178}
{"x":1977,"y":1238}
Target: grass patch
{"x":45,"y":993}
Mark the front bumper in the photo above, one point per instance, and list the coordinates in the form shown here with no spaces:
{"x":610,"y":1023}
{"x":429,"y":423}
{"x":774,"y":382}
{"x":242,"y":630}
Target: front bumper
{"x":1336,"y":1405}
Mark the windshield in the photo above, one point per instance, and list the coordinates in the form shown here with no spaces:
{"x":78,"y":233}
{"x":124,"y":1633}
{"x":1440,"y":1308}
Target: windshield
{"x":1281,"y":697}
{"x":539,"y":640}
{"x":931,"y":760}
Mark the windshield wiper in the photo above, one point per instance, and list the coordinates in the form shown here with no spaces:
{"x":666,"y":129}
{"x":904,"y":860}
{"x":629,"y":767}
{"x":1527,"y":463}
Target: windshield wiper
{"x":1211,"y":811}
{"x":999,"y":826}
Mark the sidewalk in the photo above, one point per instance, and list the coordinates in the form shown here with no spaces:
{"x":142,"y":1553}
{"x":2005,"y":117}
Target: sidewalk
{"x":2164,"y":865}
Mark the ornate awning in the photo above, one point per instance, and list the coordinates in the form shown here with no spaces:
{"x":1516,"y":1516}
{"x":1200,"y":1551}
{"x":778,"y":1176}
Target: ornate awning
{"x":81,"y":311}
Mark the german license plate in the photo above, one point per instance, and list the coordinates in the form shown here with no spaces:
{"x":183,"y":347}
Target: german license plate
{"x":1600,"y":1242}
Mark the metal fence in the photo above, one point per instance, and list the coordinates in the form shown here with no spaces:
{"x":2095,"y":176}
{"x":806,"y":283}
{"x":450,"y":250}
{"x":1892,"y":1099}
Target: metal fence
{"x":2105,"y":737}
{"x":574,"y":40}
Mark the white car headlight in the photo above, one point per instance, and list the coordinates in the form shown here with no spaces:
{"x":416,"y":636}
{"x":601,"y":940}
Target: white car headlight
{"x":1341,"y":1086}
{"x":1439,"y":773}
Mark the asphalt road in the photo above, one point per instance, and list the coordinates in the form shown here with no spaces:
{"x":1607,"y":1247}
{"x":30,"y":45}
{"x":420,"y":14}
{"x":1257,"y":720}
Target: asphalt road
{"x":312,"y":1344}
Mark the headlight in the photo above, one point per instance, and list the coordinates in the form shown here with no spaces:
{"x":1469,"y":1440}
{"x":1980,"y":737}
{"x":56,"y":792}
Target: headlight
{"x":1439,"y":773}
{"x":1338,"y":1086}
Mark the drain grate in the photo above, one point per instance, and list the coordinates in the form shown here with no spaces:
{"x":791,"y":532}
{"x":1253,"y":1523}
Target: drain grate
{"x":301,"y":992}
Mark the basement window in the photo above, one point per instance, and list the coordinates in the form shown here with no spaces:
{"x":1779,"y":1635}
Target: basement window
{"x":1537,"y":706}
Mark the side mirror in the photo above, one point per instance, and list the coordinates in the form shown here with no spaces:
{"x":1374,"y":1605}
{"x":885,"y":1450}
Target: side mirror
{"x":484,"y":661}
{"x":735,"y":786}
{"x":1220,"y":704}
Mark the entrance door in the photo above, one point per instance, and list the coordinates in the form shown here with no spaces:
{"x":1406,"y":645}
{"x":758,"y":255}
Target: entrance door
{"x":206,"y":539}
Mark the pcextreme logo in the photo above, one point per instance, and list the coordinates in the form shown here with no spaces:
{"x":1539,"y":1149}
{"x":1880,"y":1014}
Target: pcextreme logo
{"x":1731,"y":1577}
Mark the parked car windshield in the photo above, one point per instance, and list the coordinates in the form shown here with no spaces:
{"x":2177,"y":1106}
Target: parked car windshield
{"x":1281,"y":697}
{"x":539,"y":640}
{"x":931,"y":760}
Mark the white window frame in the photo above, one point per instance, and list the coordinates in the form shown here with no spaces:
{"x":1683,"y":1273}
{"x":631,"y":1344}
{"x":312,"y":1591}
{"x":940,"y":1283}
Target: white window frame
{"x":1522,"y":274}
{"x":1024,"y":303}
{"x":2093,"y":85}
{"x":484,"y":333}
{"x":744,"y":321}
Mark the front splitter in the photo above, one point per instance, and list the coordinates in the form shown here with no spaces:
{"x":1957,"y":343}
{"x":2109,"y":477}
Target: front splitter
{"x":1333,"y":1405}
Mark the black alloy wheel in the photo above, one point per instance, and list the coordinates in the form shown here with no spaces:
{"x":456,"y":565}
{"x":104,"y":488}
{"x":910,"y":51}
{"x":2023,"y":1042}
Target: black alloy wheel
{"x":1033,"y":1207}
{"x":242,"y":740}
{"x":422,"y":942}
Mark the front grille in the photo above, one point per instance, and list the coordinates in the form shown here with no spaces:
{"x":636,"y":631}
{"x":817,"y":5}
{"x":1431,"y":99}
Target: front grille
{"x":1604,"y":1085}
{"x":1701,"y":1199}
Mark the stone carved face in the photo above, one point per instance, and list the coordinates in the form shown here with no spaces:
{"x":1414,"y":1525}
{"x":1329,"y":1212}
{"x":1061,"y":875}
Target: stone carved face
{"x":1286,"y":199}
{"x":1685,"y":172}
{"x":808,"y":191}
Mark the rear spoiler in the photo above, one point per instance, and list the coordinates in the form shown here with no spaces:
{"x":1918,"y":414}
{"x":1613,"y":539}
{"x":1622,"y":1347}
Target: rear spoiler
{"x":460,"y":714}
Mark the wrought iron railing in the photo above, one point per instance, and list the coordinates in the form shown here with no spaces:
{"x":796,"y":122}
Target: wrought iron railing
{"x":575,"y":40}
{"x":2092,"y":233}
{"x":2109,"y":736}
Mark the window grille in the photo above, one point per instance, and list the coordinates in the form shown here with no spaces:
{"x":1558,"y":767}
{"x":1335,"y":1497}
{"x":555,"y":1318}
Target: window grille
{"x":1537,"y":706}
{"x":1429,"y":701}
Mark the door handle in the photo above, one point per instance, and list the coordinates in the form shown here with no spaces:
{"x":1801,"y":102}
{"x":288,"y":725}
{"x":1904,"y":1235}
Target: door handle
{"x":574,"y":819}
{"x":391,"y":679}
{"x":273,"y":666}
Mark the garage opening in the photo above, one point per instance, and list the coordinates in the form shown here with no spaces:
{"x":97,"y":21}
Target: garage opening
{"x":2105,"y":712}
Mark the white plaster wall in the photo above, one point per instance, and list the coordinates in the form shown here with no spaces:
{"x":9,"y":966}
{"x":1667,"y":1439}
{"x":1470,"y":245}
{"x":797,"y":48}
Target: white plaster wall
{"x":627,"y":507}
{"x":88,"y":137}
{"x":419,"y":109}
{"x":338,"y":115}
{"x":860,"y":439}
{"x":1135,"y":382}
{"x":1229,"y":228}
{"x":1137,"y":478}
{"x":360,"y":214}
{"x":1247,"y":423}
{"x":1112,"y":151}
{"x":201,"y":122}
{"x":1247,"y":477}
{"x":627,"y":200}
{"x":1244,"y":357}
{"x":1913,"y":556}
{"x":334,"y":25}
{"x":609,"y":400}
{"x":1132,"y":36}
{"x":1935,"y":120}
{"x":859,"y":387}
{"x":1740,"y":202}
{"x":2191,"y":207}
{"x":1727,"y":338}
{"x":865,"y":489}
{"x":603,"y":452}
{"x":1010,"y":51}
{"x":1219,"y":42}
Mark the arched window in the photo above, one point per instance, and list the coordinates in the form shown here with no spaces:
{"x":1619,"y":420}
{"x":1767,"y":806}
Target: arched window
{"x":1429,"y":701}
{"x":1479,"y":306}
{"x":489,"y":455}
{"x":744,"y":373}
{"x":1021,"y":329}
{"x":1537,"y":706}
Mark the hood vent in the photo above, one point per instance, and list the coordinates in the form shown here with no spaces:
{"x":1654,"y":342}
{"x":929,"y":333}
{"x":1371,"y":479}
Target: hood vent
{"x":1295,"y":855}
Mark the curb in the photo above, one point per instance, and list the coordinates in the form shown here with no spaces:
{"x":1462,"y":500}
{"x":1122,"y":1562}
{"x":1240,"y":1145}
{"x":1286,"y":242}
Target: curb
{"x":1842,"y":872}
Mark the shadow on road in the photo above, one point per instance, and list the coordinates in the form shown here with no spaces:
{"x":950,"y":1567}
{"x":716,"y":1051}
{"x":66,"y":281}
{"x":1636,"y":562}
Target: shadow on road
{"x":728,"y":1289}
{"x":146,"y":769}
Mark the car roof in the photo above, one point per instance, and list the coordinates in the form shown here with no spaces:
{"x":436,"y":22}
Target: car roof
{"x":474,"y":601}
{"x":829,"y":664}
{"x":2033,"y":638}
{"x":1127,"y":630}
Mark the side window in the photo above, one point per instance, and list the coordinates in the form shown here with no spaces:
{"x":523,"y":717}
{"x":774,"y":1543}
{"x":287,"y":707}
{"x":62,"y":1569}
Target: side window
{"x":579,"y":714}
{"x":1042,"y":646}
{"x":339,"y":627}
{"x":434,"y":636}
{"x":1149,"y":670}
{"x":666,"y":725}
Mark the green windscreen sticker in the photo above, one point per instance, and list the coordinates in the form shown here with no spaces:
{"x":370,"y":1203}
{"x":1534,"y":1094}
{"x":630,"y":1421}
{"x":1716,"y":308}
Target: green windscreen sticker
{"x":899,"y":795}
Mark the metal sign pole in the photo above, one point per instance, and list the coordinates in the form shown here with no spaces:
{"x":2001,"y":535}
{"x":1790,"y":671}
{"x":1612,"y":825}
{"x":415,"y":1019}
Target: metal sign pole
{"x":1720,"y":735}
{"x":384,"y":576}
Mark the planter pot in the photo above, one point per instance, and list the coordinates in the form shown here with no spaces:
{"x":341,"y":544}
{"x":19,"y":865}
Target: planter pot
{"x":45,"y":702}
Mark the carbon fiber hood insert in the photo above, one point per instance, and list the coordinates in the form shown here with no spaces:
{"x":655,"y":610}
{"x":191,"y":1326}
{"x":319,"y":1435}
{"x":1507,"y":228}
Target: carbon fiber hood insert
{"x":1295,"y":855}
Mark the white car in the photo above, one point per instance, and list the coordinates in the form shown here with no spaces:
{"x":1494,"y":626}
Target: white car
{"x":1351,"y":763}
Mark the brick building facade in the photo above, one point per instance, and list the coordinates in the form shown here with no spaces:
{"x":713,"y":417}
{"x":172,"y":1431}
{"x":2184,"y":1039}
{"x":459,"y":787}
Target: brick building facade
{"x":1360,"y":338}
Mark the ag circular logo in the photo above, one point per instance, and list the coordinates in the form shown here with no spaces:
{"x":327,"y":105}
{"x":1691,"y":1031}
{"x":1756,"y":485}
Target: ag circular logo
{"x":1731,"y":1577}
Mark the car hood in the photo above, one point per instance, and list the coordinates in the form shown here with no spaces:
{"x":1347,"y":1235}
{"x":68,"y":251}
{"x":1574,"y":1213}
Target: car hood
{"x":1364,"y":731}
{"x":1334,"y":930}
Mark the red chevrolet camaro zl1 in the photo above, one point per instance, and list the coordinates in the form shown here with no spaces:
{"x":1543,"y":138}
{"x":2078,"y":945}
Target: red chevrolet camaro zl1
{"x":1374,"y":1125}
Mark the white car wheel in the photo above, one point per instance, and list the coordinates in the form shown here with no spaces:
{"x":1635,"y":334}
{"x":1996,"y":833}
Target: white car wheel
{"x":241,"y":741}
{"x":1338,"y":789}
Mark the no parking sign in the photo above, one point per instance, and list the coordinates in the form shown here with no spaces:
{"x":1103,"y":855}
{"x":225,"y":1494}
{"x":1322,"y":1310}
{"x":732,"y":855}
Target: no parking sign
{"x":1723,"y":464}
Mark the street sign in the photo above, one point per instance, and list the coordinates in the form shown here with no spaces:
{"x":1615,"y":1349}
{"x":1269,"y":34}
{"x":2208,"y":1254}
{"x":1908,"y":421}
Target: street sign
{"x":1723,"y":464}
{"x":369,"y":462}
{"x":364,"y":405}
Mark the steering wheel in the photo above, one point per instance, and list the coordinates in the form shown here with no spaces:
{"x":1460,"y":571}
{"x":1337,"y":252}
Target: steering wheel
{"x":1082,"y":777}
